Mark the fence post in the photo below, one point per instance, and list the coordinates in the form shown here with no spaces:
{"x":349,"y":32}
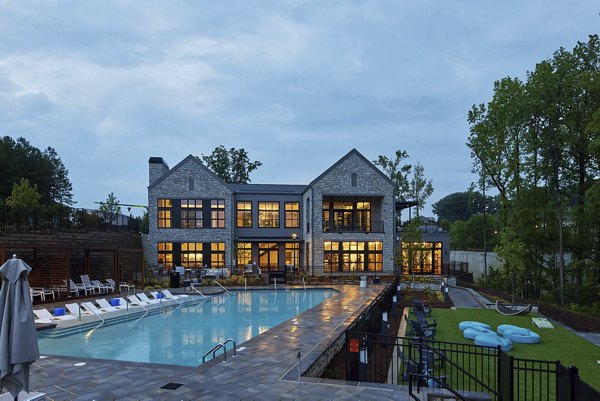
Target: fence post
{"x":565,"y":382}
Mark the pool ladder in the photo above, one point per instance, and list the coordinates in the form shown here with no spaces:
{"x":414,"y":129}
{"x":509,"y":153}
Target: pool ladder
{"x":223,"y":346}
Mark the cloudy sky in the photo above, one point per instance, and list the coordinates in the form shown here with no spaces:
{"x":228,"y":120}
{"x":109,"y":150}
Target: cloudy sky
{"x":298,"y":84}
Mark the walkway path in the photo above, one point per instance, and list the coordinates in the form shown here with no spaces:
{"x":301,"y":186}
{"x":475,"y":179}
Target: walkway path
{"x":466,"y":298}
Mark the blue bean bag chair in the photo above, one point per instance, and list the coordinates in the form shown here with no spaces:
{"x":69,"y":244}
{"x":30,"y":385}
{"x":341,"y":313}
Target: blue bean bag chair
{"x":474,"y":331}
{"x":494,"y":340}
{"x":522,"y":336}
{"x":467,"y":324}
{"x":503,"y":327}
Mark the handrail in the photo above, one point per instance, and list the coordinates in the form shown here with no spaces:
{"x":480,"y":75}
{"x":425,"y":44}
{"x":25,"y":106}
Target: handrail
{"x":219,"y":284}
{"x":198,"y":292}
{"x":217,"y":347}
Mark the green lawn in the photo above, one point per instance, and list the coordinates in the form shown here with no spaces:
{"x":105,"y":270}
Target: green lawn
{"x":557,"y":343}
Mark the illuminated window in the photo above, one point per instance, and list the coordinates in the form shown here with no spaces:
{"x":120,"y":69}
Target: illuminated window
{"x":191,"y":213}
{"x":191,"y":255}
{"x":292,"y":254}
{"x":164,"y":213}
{"x":268,"y":214}
{"x":350,"y":256}
{"x":292,"y":214}
{"x":350,"y":216}
{"x":421,"y":258}
{"x":244,"y":253}
{"x":217,"y":254}
{"x":244,"y":215}
{"x":217,"y":213}
{"x":165,"y":255}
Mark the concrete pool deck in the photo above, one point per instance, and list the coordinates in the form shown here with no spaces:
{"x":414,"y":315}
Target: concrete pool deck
{"x":265,"y":369}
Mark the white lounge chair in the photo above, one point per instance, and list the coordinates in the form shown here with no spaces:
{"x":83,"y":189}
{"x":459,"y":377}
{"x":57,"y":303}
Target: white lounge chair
{"x":136,"y":301}
{"x":171,"y":296}
{"x":105,"y":305}
{"x":123,"y":302}
{"x":44,"y":314}
{"x":74,"y":310}
{"x":89,"y":306}
{"x":144,"y":298}
{"x":101,"y":287}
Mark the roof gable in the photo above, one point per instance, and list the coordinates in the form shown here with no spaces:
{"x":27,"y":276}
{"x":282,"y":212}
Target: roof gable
{"x":343,"y":159}
{"x":196,"y":160}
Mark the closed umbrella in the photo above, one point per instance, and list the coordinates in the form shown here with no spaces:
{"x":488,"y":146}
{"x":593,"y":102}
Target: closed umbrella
{"x":18,"y":341}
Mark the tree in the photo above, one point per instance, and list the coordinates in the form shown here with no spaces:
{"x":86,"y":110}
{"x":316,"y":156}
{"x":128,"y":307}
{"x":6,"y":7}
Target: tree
{"x":420,"y":189}
{"x":461,"y":205}
{"x":19,"y":159}
{"x":411,"y":250}
{"x":232,"y":166}
{"x":110,"y":208}
{"x":24,"y":195}
{"x":397,"y":173}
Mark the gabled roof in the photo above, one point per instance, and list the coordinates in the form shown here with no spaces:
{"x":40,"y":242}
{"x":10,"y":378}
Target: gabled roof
{"x":357,"y":153}
{"x":181,"y":163}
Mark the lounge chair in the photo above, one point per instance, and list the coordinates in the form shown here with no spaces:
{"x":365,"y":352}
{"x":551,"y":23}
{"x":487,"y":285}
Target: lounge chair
{"x":123,"y":302}
{"x":144,"y":298}
{"x":136,"y":301}
{"x":41,"y":292}
{"x":92,"y":308}
{"x":110,"y":283}
{"x":421,"y":331}
{"x":74,"y":310}
{"x":418,"y":305}
{"x":80,"y":286}
{"x":171,"y":296}
{"x":104,"y":305}
{"x":129,"y":287}
{"x":101,"y":287}
{"x":85,"y":279}
{"x":44,"y":314}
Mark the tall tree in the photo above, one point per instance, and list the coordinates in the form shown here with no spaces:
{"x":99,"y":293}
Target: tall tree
{"x":60,"y":188}
{"x":232,"y":166}
{"x":420,"y":188}
{"x":397,"y":173}
{"x":461,"y":205}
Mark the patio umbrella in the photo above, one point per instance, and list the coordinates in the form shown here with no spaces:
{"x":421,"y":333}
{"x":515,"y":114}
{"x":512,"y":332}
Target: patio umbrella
{"x":18,"y":341}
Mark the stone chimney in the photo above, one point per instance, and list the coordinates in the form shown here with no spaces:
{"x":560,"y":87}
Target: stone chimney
{"x":156,"y":169}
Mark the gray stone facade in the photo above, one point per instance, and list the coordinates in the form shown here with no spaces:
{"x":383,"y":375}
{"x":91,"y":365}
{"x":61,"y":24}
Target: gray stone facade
{"x":175,"y":184}
{"x":352,"y":177}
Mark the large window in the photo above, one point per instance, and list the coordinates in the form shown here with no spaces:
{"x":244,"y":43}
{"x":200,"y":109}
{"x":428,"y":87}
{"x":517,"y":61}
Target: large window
{"x":217,"y":213}
{"x":347,"y":216}
{"x":268,"y":255}
{"x":292,"y":254}
{"x":350,"y":256}
{"x":421,"y":257}
{"x":292,"y":214}
{"x":191,"y":213}
{"x":244,"y":214}
{"x":244,"y":253}
{"x":191,"y":255}
{"x":217,"y":254}
{"x":164,"y":213}
{"x":268,"y":214}
{"x":165,"y":255}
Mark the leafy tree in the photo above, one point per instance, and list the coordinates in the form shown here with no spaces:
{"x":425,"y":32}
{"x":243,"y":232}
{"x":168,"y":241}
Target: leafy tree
{"x":420,"y":189}
{"x":232,"y":166}
{"x":397,"y":173}
{"x":461,"y":205}
{"x":24,"y":195}
{"x":410,"y":253}
{"x":110,"y":208}
{"x":19,"y":159}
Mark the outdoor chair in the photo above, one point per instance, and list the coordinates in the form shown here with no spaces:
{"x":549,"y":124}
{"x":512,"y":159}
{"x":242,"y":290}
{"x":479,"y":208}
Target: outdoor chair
{"x":136,"y":301}
{"x":76,"y":311}
{"x":110,"y":283}
{"x":101,"y":287}
{"x":80,"y":287}
{"x":105,"y":305}
{"x":420,"y":315}
{"x":171,"y":296}
{"x":126,"y":304}
{"x":90,"y":307}
{"x":124,"y":286}
{"x":418,"y":305}
{"x":420,"y":331}
{"x":423,"y":374}
{"x":144,"y":298}
{"x":44,"y":314}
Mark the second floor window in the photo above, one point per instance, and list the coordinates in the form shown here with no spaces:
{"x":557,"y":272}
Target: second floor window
{"x":292,"y":214}
{"x":268,"y":214}
{"x":191,"y":213}
{"x":217,"y":213}
{"x":164,"y":213}
{"x":244,"y":215}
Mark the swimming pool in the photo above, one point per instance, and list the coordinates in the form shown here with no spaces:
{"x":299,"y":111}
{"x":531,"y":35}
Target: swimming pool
{"x":181,"y":336}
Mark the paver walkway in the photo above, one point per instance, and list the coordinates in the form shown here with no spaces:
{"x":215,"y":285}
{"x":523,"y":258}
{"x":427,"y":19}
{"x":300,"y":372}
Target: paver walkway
{"x":264,"y":370}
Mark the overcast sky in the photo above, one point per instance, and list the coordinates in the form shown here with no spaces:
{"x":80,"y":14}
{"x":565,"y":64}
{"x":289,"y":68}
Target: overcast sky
{"x":298,"y":84}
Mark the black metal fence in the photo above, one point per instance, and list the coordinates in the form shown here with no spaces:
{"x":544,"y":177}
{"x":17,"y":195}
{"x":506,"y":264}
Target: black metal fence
{"x":62,"y":218}
{"x":465,"y":370}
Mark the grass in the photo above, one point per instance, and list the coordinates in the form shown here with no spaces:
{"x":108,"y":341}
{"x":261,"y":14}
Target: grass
{"x":558,"y":344}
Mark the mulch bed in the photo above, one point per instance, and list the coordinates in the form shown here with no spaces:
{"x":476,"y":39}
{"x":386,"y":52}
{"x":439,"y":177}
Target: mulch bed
{"x":574,"y":320}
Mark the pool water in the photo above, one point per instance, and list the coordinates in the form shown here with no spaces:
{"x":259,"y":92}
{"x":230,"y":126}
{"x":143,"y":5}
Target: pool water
{"x":182,"y":336}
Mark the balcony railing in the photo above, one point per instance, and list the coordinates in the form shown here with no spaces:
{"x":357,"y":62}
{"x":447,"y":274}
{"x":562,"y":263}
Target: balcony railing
{"x":375,"y":226}
{"x":62,"y":218}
